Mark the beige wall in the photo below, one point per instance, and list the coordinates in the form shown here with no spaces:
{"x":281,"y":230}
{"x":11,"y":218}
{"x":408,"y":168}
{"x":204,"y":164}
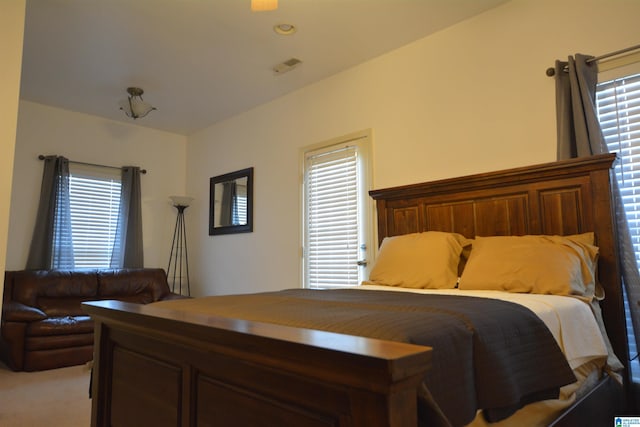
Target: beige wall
{"x":80,"y":137}
{"x":11,"y":34}
{"x":472,"y":98}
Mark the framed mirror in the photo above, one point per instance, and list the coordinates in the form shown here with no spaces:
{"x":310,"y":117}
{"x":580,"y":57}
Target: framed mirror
{"x":231,"y":203}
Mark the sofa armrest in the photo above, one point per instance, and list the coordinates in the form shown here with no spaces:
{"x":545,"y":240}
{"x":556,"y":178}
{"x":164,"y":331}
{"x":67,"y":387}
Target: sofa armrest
{"x":172,"y":296}
{"x":17,"y":312}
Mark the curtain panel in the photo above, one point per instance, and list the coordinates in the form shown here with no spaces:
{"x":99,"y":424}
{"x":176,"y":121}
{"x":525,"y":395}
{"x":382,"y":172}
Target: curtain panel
{"x":127,"y":246}
{"x":580,"y":135}
{"x":52,"y":243}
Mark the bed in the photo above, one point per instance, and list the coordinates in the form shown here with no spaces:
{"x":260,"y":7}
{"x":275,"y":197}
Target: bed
{"x":162,"y":365}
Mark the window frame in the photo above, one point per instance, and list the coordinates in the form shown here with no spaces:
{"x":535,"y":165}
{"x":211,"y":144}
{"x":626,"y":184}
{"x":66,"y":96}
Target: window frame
{"x":104,"y":175}
{"x":366,"y":208}
{"x":624,"y":168}
{"x":623,"y":146}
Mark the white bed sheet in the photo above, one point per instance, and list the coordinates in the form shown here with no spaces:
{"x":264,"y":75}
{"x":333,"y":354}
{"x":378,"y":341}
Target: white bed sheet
{"x":570,"y":320}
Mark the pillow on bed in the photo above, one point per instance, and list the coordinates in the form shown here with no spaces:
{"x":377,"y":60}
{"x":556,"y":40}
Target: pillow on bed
{"x":558,"y":265}
{"x":589,"y":239}
{"x":426,"y":260}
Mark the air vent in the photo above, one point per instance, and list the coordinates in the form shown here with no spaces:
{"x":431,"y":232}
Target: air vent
{"x":287,"y":65}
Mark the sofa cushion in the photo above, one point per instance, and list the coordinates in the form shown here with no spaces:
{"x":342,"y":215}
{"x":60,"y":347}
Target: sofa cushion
{"x":133,"y":285}
{"x":30,"y":285}
{"x":60,"y":326}
{"x":63,"y":306}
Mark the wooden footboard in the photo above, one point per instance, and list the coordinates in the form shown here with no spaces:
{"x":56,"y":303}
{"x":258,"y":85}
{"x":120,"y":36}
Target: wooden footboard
{"x":155,"y":366}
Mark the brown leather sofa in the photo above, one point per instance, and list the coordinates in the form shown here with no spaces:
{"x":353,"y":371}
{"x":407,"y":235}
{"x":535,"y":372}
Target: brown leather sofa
{"x":43,"y":325}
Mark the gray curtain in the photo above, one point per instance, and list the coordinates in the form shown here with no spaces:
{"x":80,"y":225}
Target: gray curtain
{"x":127,"y":249}
{"x":228,"y":206}
{"x":52,"y":244}
{"x":580,"y":135}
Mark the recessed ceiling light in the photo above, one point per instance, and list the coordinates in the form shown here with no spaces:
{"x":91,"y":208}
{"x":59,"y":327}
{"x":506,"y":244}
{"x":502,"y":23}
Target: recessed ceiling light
{"x":285,"y":29}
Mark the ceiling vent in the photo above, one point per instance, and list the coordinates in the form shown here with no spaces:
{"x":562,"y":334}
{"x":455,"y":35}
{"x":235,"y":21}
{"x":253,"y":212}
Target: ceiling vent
{"x":287,"y":65}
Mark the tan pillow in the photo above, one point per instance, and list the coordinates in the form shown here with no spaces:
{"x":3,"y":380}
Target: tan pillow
{"x":420,"y":260}
{"x":589,"y":239}
{"x":558,"y":265}
{"x":586,"y":238}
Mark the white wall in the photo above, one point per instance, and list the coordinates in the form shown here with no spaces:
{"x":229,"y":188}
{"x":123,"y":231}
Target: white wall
{"x":11,"y":35}
{"x":80,"y":137}
{"x":469,"y":99}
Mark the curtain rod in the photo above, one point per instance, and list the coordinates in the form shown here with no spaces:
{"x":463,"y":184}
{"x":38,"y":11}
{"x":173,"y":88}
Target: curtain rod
{"x":551,"y":71}
{"x":616,"y":53}
{"x":142,"y":171}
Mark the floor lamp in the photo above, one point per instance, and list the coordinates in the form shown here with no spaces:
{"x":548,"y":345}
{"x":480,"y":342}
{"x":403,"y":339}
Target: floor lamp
{"x":178,"y":268}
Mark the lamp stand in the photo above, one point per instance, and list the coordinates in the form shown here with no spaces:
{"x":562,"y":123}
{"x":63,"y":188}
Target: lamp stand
{"x":178,"y":259}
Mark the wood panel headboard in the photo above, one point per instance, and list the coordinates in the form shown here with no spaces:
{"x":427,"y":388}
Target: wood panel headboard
{"x":561,"y":198}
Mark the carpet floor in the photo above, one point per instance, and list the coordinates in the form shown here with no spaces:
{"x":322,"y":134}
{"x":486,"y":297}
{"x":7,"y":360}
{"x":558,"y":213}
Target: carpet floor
{"x":57,"y":397}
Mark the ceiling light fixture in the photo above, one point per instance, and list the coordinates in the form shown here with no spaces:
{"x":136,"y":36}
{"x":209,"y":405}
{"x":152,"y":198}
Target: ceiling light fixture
{"x":134,"y":106}
{"x":285,"y":29}
{"x":263,"y":5}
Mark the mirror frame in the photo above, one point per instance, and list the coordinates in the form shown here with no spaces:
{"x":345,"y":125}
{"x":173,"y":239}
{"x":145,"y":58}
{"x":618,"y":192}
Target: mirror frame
{"x":232,"y":176}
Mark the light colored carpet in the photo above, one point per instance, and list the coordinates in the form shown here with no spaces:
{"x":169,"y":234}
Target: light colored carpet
{"x":57,"y":397}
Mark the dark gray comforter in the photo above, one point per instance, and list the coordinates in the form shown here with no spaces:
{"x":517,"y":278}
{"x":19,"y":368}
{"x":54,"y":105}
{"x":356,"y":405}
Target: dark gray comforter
{"x":487,"y":354}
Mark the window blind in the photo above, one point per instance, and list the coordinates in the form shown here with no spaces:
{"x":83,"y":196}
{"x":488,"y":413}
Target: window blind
{"x":95,"y":204}
{"x":240,"y":207}
{"x":618,"y":104}
{"x":331,"y":189}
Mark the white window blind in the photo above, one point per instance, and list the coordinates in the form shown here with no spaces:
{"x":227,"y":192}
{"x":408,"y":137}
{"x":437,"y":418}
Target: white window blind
{"x":95,"y":203}
{"x":618,"y":103}
{"x":332,"y":247}
{"x":240,"y":208}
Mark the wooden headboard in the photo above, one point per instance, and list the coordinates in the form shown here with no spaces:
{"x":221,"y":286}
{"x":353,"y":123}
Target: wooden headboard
{"x":561,"y":198}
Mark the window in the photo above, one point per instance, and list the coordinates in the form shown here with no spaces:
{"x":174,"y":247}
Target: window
{"x":239,"y":214}
{"x":337,"y":211}
{"x":618,"y":105}
{"x":94,"y":197}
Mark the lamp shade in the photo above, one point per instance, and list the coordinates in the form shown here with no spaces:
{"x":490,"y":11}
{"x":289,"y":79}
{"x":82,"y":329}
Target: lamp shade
{"x":134,"y":106}
{"x":181,"y":200}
